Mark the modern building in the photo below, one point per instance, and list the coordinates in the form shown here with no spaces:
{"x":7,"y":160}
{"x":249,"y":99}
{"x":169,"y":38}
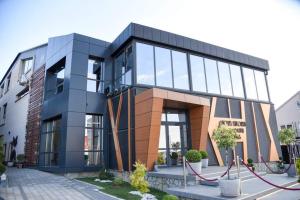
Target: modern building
{"x":91,"y":103}
{"x":288,"y":114}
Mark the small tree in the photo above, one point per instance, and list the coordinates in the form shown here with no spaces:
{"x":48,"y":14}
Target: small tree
{"x":287,"y":136}
{"x":226,"y":138}
{"x":137,"y":179}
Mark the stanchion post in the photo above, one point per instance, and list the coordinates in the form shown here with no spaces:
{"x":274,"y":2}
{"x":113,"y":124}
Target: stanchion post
{"x":184,"y":172}
{"x":238,"y":166}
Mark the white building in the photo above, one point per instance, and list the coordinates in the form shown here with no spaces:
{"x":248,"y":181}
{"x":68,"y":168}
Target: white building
{"x":14,"y":98}
{"x":288,"y":114}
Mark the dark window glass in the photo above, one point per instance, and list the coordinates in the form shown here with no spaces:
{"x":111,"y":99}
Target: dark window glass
{"x":198,"y":73}
{"x":250,"y":83}
{"x":93,"y":140}
{"x":123,"y":68}
{"x":51,"y":135}
{"x":95,"y":75}
{"x":180,"y":70}
{"x":212,"y":76}
{"x":237,"y":81}
{"x":225,"y":79}
{"x":163,"y":67}
{"x":4,"y":112}
{"x":145,"y":64}
{"x":60,"y":76}
{"x":8,"y":82}
{"x":261,"y":86}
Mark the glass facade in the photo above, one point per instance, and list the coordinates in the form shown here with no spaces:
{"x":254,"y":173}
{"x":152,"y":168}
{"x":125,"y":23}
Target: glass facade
{"x":180,"y":70}
{"x":93,"y":140}
{"x":123,"y":68}
{"x":198,"y":73}
{"x":145,"y":64}
{"x":165,"y":67}
{"x":211,"y":68}
{"x":95,"y":75}
{"x":225,"y":79}
{"x":51,"y":137}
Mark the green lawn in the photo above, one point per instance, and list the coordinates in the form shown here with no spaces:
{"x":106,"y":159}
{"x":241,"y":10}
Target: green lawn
{"x":123,"y":190}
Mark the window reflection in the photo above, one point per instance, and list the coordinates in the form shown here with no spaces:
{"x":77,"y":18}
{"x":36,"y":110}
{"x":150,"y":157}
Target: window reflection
{"x":237,"y":81}
{"x":145,"y":64}
{"x":180,"y":71}
{"x":198,"y":73}
{"x":163,"y":67}
{"x":250,"y":83}
{"x":225,"y":80}
{"x":261,"y":86}
{"x":212,"y":76}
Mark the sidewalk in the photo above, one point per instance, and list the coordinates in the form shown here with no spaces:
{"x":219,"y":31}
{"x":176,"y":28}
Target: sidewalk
{"x":31,"y":184}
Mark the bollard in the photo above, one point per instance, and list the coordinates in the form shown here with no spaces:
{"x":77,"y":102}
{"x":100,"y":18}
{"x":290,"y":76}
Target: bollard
{"x":184,"y":172}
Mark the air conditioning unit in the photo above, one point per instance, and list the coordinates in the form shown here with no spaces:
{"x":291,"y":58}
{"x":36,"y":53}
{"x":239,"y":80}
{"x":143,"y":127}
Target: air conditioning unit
{"x":23,"y":80}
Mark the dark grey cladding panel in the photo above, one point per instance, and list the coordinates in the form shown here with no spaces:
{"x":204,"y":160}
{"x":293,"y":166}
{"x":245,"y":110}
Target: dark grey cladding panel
{"x":235,"y":108}
{"x":212,"y":156}
{"x":95,"y":103}
{"x":262,"y":132}
{"x":251,"y":141}
{"x":222,"y":108}
{"x":123,"y":139}
{"x":274,"y":128}
{"x":152,"y":34}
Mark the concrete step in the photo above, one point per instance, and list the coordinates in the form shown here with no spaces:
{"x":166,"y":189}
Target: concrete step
{"x":245,"y":175}
{"x":251,"y":189}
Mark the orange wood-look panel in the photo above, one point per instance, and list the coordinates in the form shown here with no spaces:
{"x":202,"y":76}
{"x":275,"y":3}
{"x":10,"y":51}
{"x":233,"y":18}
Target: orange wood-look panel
{"x":199,"y":118}
{"x":114,"y":126}
{"x":148,"y":111}
{"x":273,"y":153}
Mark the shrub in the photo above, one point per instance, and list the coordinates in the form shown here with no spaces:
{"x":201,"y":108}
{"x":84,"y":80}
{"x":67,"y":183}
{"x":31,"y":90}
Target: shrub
{"x":225,"y":137}
{"x":117,"y":181}
{"x":174,"y":155}
{"x":21,"y":158}
{"x":193,"y":156}
{"x":298,"y":166}
{"x":105,"y":175}
{"x":137,"y":178}
{"x":2,"y":168}
{"x":160,"y":158}
{"x":250,"y":161}
{"x":170,"y":197}
{"x":204,"y":154}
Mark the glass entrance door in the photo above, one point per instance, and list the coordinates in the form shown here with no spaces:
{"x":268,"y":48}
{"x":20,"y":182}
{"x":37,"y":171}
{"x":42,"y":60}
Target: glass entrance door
{"x":173,"y":135}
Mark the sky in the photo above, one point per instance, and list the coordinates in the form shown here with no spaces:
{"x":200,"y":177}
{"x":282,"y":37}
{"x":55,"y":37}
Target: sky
{"x":268,"y":29}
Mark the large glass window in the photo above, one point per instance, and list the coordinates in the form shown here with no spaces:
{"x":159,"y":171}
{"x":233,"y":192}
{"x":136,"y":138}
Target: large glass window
{"x":198,"y":73}
{"x":52,"y":141}
{"x":250,"y":83}
{"x":60,"y":77}
{"x":4,"y":112}
{"x":123,"y":66}
{"x":2,"y":90}
{"x":93,"y":140}
{"x":8,"y":82}
{"x":95,"y":75}
{"x":180,"y":70}
{"x":261,"y":86}
{"x":212,"y":76}
{"x":26,"y":65}
{"x":237,"y":81}
{"x":145,"y":64}
{"x":225,"y":79}
{"x":163,"y":67}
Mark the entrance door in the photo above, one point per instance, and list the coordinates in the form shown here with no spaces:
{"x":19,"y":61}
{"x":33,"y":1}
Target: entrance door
{"x":173,"y":135}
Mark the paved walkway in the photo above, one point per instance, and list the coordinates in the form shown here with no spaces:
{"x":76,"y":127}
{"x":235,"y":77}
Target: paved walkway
{"x":30,"y":184}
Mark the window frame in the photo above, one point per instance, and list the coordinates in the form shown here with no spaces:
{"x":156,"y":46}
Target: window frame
{"x":189,"y":67}
{"x":99,"y":78}
{"x":87,"y":151}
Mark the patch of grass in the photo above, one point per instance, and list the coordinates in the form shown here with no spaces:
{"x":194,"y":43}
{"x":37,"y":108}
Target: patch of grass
{"x":122,"y":190}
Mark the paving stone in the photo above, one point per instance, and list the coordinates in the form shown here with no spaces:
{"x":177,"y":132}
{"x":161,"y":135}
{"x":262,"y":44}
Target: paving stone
{"x":31,"y":184}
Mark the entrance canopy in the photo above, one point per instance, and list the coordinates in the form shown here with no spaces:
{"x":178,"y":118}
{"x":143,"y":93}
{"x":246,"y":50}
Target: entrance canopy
{"x":148,"y":110}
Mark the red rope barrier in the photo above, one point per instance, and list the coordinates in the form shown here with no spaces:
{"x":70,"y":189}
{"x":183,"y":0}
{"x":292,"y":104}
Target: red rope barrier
{"x":274,"y":171}
{"x":206,"y":179}
{"x":277,"y":186}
